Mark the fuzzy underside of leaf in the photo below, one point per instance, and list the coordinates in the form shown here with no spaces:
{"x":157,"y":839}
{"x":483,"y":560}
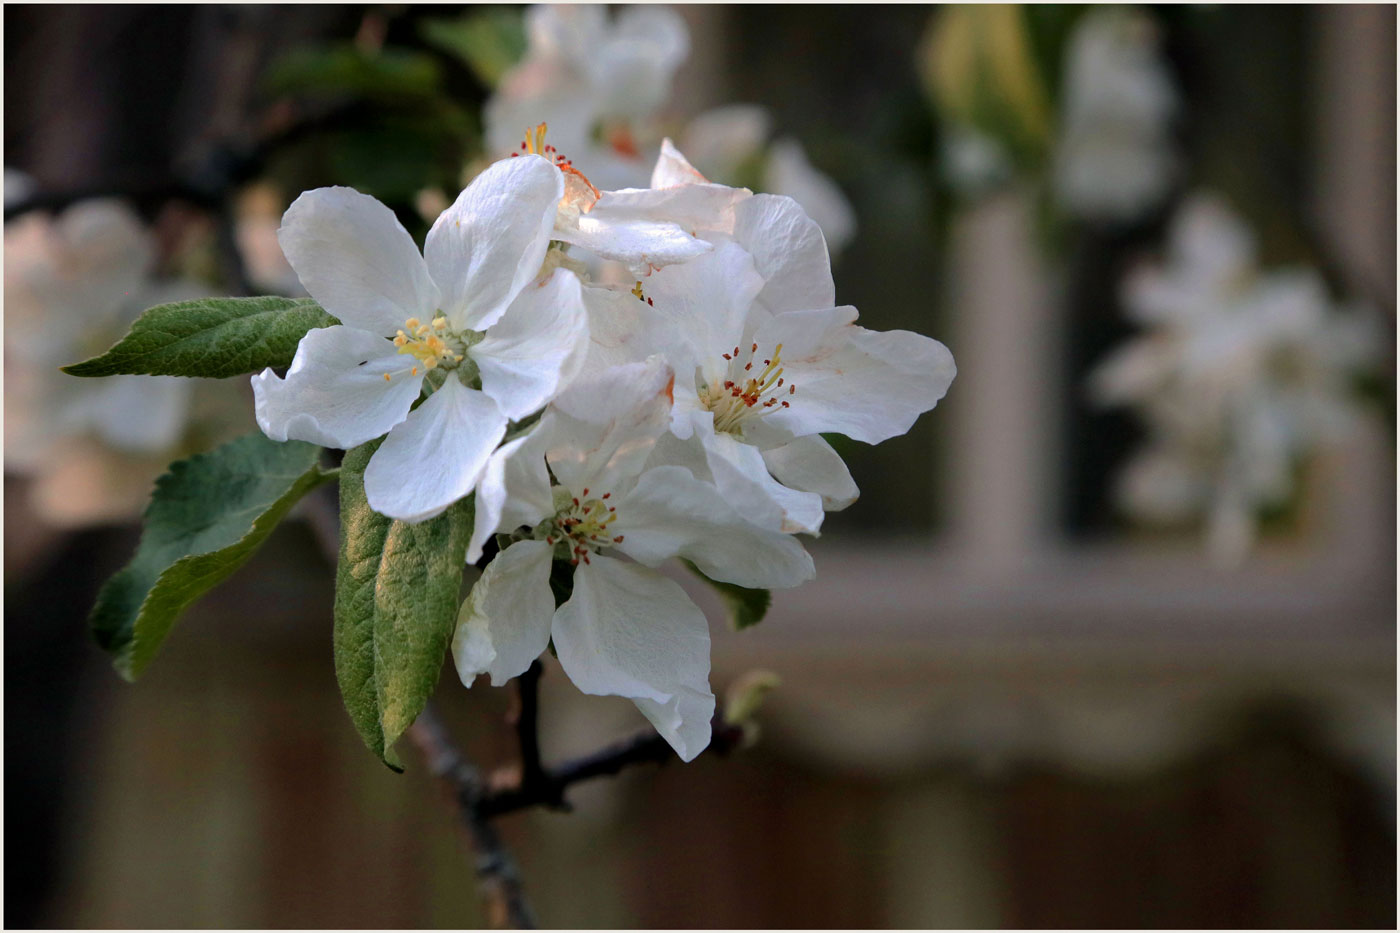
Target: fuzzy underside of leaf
{"x":398,"y":586}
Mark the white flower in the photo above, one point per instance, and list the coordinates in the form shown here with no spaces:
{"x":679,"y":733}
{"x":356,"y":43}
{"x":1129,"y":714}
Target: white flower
{"x":626,"y":630}
{"x":1114,"y":158}
{"x":595,"y":82}
{"x":765,"y":360}
{"x":73,"y":284}
{"x":1240,"y":374}
{"x":731,"y":142}
{"x":470,"y":307}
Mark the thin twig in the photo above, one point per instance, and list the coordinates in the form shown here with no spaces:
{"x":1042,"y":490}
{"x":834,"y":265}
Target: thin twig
{"x":549,"y":788}
{"x":496,"y":872}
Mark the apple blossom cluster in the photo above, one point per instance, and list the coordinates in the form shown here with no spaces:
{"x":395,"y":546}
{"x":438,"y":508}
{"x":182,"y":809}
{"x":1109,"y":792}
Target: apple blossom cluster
{"x":602,"y":429}
{"x":1239,"y":375}
{"x":601,"y":84}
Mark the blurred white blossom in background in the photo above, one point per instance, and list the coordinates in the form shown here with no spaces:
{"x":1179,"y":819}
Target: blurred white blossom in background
{"x":1240,"y":375}
{"x":602,"y":85}
{"x":73,"y":284}
{"x":1114,"y":157}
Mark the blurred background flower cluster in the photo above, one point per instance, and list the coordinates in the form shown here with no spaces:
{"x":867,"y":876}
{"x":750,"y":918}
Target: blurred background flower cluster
{"x":1109,"y":640}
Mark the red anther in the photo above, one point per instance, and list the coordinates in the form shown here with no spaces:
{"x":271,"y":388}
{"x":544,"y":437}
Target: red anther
{"x":548,"y":540}
{"x":585,"y":490}
{"x":586,"y":560}
{"x":767,"y":362}
{"x":612,"y":508}
{"x":780,"y":382}
{"x":727,"y":356}
{"x":755,"y":349}
{"x":650,"y":302}
{"x":606,"y":495}
{"x":575,"y":502}
{"x":785,"y":404}
{"x":618,"y":539}
{"x":574,"y":562}
{"x":514,"y":155}
{"x":792,"y":389}
{"x":748,"y":366}
{"x":736,"y":351}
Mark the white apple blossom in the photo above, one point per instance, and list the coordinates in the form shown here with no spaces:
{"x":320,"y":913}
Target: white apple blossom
{"x":1240,"y":374}
{"x":765,"y":359}
{"x":73,"y":284}
{"x":596,"y":81}
{"x":473,"y":307}
{"x":626,"y":630}
{"x":1114,"y":157}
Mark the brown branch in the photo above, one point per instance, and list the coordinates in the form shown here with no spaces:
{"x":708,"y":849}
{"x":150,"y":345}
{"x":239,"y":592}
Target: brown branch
{"x":550,"y":785}
{"x":496,"y":872}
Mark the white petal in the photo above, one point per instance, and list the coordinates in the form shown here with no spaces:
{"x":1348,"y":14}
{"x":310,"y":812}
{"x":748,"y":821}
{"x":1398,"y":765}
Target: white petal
{"x":602,"y":429}
{"x":788,"y":250}
{"x":356,"y":259}
{"x":868,"y":385}
{"x":790,"y":173}
{"x":670,"y":513}
{"x":436,"y":456}
{"x":697,"y":208}
{"x":707,"y":303}
{"x":628,"y":631}
{"x":504,"y":623}
{"x":513,"y":491}
{"x":536,"y":347}
{"x":741,"y":474}
{"x":491,"y":242}
{"x":673,"y":169}
{"x":621,"y":329}
{"x":638,"y":242}
{"x":335,"y":393}
{"x":810,"y":464}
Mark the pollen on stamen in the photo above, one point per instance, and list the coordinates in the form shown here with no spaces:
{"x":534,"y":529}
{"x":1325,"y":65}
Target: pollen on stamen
{"x":387,"y":377}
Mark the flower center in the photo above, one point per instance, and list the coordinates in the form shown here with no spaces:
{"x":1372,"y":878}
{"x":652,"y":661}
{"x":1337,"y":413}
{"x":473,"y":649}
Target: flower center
{"x":580,"y":194}
{"x":748,"y":391}
{"x":432,"y":345}
{"x":581,"y":524}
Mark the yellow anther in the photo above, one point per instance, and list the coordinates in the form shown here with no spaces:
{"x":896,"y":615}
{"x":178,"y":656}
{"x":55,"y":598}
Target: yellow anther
{"x":413,"y":371}
{"x":401,"y":339}
{"x":440,"y":323}
{"x":412,"y":323}
{"x":386,"y":377}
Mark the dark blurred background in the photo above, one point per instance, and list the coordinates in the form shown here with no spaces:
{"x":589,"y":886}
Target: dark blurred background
{"x":1002,"y":706}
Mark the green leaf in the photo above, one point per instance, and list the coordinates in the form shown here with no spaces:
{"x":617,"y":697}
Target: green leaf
{"x":397,"y":591}
{"x":210,"y":337}
{"x":489,"y":42}
{"x":207,"y":516}
{"x":745,"y":606}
